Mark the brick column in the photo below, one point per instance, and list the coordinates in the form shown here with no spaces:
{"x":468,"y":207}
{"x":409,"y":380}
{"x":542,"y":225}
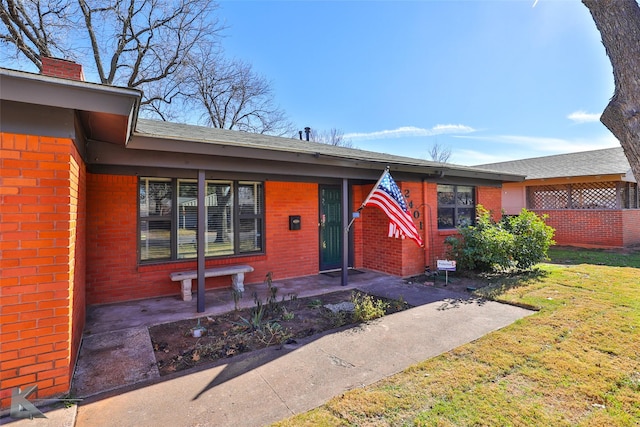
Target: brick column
{"x":41,"y":263}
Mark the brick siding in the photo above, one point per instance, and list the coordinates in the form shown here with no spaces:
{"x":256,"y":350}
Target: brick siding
{"x":594,"y":228}
{"x":631,"y":227}
{"x":42,"y":261}
{"x":113,"y":271}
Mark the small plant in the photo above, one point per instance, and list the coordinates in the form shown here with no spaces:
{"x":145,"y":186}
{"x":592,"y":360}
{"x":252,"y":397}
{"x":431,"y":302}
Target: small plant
{"x":367,"y":307}
{"x":339,"y":318}
{"x":272,"y":291}
{"x":287,"y":315}
{"x":315,"y":303}
{"x":255,"y":321}
{"x":273,"y":333}
{"x":398,"y":304}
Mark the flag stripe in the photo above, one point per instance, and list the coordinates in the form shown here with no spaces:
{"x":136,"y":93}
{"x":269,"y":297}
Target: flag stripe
{"x":402,"y":219}
{"x":388,"y":197}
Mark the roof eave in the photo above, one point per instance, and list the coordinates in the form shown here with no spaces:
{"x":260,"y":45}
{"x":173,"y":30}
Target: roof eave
{"x":292,"y":155}
{"x":96,"y":103}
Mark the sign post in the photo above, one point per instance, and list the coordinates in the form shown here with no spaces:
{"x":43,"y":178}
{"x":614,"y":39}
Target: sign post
{"x":446,"y":266}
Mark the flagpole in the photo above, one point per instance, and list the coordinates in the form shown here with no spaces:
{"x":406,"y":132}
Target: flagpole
{"x":386,"y":170}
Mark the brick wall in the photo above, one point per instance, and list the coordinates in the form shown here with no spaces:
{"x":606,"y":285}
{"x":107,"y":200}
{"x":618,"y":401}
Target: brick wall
{"x":77,"y":252}
{"x":631,"y":227}
{"x":42,"y":263}
{"x":291,"y":253}
{"x":113,"y":273}
{"x":400,"y":257}
{"x":577,"y":227}
{"x":358,"y":195}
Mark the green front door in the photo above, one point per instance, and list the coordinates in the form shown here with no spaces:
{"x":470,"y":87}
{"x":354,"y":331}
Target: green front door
{"x":330,"y":228}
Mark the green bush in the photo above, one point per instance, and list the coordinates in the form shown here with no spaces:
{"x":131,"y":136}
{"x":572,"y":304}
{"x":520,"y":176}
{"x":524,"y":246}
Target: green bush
{"x":532,"y":238}
{"x":367,"y":307}
{"x":516,"y":242}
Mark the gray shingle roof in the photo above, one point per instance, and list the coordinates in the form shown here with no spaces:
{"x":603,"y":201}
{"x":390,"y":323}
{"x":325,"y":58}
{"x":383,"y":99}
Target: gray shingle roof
{"x":225,"y":137}
{"x":609,"y":161}
{"x":209,"y":135}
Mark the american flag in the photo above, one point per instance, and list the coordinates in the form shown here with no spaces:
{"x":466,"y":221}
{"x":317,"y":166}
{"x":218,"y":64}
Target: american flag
{"x":387,"y":196}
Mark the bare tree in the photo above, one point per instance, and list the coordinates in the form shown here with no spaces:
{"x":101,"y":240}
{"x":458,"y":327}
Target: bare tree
{"x":33,"y":29}
{"x":439,"y":153}
{"x":233,"y":96}
{"x":167,"y":48}
{"x":619,"y":24}
{"x":332,"y":137}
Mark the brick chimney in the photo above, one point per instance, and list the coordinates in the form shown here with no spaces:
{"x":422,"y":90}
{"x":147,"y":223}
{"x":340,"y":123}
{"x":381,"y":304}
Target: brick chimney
{"x":62,"y":68}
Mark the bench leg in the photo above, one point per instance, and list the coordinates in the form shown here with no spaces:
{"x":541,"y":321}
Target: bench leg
{"x":237,"y":282}
{"x":186,"y":290}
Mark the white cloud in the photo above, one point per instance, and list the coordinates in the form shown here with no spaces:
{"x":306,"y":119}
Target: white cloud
{"x":474,"y":157}
{"x":410,"y":131}
{"x":548,"y":145}
{"x":583,"y":117}
{"x":523,"y":147}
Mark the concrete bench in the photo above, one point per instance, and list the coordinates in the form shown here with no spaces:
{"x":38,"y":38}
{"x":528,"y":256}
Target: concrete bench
{"x":235,"y":271}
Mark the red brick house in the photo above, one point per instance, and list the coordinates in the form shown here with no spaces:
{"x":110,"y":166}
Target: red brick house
{"x":99,"y":206}
{"x":591,"y":197}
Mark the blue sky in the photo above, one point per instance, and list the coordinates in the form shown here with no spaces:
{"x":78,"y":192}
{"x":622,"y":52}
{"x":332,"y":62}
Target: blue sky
{"x":492,"y":80}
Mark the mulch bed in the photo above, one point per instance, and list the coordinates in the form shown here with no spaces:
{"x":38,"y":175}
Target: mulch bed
{"x":231,"y":334}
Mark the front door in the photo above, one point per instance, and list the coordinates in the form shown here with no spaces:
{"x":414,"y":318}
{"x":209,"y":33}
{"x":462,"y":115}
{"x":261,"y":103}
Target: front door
{"x":330,"y":227}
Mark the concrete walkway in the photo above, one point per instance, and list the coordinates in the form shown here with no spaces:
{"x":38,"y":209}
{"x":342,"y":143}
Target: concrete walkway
{"x":259,"y":388}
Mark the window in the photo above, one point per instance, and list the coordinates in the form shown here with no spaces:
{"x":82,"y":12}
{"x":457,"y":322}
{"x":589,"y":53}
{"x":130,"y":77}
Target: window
{"x":456,"y":206}
{"x":234,"y":218}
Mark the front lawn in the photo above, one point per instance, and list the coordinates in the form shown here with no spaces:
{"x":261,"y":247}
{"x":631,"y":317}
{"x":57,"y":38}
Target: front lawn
{"x":574,"y":363}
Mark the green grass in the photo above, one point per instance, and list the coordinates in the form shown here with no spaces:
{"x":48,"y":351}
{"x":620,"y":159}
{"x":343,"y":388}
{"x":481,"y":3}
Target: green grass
{"x":576,"y":362}
{"x":612,"y":258}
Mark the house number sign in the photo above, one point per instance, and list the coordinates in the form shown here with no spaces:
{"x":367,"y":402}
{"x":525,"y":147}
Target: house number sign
{"x":416,"y":212}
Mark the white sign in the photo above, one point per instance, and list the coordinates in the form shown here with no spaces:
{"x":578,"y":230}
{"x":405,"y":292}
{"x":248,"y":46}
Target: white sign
{"x":446,"y":265}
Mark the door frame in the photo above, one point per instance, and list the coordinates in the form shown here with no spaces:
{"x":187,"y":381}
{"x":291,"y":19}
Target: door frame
{"x":350,"y":241}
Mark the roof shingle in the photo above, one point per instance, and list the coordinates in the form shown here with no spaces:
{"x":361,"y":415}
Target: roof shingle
{"x":608,"y":161}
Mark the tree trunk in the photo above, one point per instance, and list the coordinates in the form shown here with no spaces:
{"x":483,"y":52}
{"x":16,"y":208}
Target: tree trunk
{"x":619,"y":24}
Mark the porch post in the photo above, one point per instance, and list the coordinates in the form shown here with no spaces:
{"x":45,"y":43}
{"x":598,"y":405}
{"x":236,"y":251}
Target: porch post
{"x":345,"y":228}
{"x":201,"y":242}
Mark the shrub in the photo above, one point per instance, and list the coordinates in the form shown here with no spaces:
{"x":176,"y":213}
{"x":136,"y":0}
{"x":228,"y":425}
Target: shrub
{"x":532,"y":238}
{"x":367,"y":307}
{"x":516,"y":242}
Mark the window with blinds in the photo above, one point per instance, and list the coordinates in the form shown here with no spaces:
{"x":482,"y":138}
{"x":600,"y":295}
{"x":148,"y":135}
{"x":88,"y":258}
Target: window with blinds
{"x":234,"y":218}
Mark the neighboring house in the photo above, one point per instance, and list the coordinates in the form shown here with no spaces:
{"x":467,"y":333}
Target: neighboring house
{"x":100,"y":207}
{"x":591,"y":197}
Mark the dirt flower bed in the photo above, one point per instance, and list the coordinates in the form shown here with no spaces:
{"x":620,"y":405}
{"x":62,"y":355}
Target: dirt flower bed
{"x":270,"y":323}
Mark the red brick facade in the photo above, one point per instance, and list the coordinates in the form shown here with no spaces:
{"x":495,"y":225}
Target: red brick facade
{"x":113,"y":271}
{"x":42,"y":221}
{"x":70,"y":238}
{"x":403,"y":257}
{"x":594,"y":228}
{"x":631,"y":227}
